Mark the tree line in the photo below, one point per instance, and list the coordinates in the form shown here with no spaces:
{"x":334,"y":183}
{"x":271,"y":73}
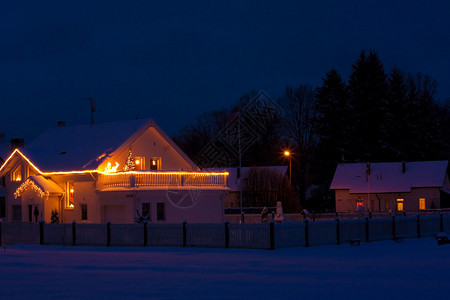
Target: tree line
{"x":373,"y":116}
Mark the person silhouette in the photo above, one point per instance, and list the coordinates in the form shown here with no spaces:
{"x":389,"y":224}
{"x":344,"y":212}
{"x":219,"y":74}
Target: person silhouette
{"x":36,"y":213}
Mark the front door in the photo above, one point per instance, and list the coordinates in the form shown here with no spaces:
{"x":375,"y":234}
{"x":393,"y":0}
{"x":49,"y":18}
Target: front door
{"x":33,"y":213}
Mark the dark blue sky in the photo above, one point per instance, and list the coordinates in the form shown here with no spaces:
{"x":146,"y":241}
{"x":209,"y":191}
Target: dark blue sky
{"x":174,"y":60}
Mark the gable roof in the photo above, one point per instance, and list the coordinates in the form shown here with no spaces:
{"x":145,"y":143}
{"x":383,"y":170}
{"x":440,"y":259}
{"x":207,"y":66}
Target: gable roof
{"x":389,"y":177}
{"x":84,"y":147}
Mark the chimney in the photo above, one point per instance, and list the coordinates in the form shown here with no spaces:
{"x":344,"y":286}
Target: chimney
{"x":403,"y":167}
{"x":61,"y":123}
{"x":17,"y":143}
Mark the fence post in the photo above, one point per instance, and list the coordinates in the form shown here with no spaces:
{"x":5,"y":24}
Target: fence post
{"x":393,"y":227}
{"x":227,"y":234}
{"x":338,"y":231}
{"x":184,"y":233}
{"x":272,"y":234}
{"x":108,"y":234}
{"x":367,"y":230}
{"x":306,"y":233}
{"x":441,"y":221}
{"x":74,"y":233}
{"x":41,"y":232}
{"x":418,"y":225}
{"x":145,"y":233}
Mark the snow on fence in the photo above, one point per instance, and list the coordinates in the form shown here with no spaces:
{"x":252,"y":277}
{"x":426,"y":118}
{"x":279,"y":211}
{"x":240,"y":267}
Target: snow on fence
{"x":255,"y":236}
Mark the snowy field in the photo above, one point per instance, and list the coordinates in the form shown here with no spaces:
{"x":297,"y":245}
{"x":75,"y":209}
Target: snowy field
{"x":414,"y":269}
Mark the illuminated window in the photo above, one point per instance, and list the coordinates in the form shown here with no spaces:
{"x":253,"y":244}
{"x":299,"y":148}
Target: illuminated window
{"x":421,"y":203}
{"x":71,"y":196}
{"x":139,"y":161}
{"x":17,"y":174}
{"x":359,"y":204}
{"x":160,"y":211}
{"x":155,"y":163}
{"x":84,"y":215}
{"x":400,"y":204}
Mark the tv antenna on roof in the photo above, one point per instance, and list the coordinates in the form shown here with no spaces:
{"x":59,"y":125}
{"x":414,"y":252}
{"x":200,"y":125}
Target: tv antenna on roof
{"x":92,"y":108}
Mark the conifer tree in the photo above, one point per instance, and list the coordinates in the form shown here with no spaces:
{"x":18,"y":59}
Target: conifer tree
{"x":368,"y":88}
{"x":54,"y":218}
{"x":129,"y":163}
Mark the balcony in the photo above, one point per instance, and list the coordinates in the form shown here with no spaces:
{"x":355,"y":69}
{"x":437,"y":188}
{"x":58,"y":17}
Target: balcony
{"x":158,"y":180}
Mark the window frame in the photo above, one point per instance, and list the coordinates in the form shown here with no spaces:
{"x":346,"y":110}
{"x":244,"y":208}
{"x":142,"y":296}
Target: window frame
{"x":84,"y":211}
{"x":400,"y":204}
{"x":16,"y":211}
{"x":147,"y":210}
{"x":16,"y":175}
{"x":160,"y":211}
{"x":157,"y":166}
{"x":422,"y":203}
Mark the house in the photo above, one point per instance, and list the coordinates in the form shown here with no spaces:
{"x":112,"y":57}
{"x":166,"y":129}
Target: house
{"x":396,"y":186}
{"x":113,"y":172}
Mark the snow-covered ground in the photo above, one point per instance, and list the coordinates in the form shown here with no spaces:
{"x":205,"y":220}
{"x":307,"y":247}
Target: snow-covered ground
{"x":414,"y":269}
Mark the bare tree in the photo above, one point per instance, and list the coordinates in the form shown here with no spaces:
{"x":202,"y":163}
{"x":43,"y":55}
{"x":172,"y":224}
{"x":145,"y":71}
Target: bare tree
{"x":265,"y":187}
{"x":299,"y":117}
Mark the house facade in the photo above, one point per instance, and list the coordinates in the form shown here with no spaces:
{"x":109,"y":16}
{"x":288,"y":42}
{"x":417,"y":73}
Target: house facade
{"x":113,"y":172}
{"x":391,"y":187}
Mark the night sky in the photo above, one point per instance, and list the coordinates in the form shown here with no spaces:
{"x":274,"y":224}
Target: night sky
{"x":172,"y":60}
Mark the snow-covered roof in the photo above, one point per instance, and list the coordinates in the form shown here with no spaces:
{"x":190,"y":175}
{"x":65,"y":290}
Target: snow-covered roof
{"x":232,"y":179}
{"x":79,"y":147}
{"x":46,"y":185}
{"x":389,"y":177}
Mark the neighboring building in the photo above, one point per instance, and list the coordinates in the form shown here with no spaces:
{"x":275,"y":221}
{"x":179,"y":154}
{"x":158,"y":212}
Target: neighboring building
{"x":80,"y":172}
{"x":398,"y":186}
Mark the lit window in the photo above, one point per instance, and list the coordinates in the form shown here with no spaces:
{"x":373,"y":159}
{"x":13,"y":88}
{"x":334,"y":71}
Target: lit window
{"x":421,"y":203}
{"x":139,"y":161}
{"x":400,"y":204}
{"x":155,"y":163}
{"x":359,"y":204}
{"x":71,"y":196}
{"x":160,"y":211}
{"x":84,"y":215}
{"x":17,"y":174}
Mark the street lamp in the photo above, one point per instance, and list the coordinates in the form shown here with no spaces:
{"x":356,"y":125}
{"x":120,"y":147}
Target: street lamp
{"x":288,"y":154}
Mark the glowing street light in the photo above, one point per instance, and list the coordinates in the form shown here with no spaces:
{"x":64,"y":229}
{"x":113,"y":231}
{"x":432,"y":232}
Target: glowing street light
{"x":288,"y":154}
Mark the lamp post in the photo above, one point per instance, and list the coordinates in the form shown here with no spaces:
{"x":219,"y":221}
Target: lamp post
{"x":288,"y":154}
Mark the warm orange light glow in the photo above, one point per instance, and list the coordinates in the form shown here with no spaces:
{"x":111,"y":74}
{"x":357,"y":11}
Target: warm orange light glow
{"x":71,"y":206}
{"x":109,"y":169}
{"x":400,"y":204}
{"x":18,"y":178}
{"x":106,"y":172}
{"x":71,"y":190}
{"x":28,"y":184}
{"x":287,"y":153}
{"x":154,"y":162}
{"x":137,"y":161}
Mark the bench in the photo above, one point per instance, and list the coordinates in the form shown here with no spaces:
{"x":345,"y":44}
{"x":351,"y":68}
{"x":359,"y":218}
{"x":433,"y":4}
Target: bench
{"x":399,"y":238}
{"x":355,"y":242}
{"x":442,"y":239}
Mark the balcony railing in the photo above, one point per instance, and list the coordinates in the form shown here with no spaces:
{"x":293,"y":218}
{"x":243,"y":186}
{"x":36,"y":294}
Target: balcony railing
{"x":162,"y":179}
